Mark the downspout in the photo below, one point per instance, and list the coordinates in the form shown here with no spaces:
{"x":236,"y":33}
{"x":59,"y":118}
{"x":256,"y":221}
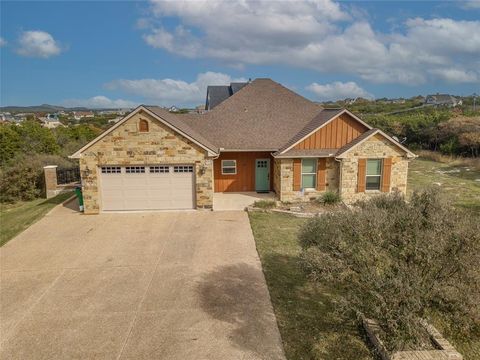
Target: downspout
{"x":340,"y":176}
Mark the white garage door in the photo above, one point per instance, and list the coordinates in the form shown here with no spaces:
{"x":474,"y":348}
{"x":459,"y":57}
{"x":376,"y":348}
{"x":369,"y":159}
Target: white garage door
{"x":154,"y":187}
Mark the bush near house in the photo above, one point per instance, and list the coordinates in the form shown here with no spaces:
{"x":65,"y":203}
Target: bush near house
{"x":398,"y":262}
{"x":330,"y":198}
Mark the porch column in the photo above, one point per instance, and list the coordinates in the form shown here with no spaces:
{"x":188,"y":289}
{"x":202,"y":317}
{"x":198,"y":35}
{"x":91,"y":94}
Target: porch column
{"x":50,"y":173}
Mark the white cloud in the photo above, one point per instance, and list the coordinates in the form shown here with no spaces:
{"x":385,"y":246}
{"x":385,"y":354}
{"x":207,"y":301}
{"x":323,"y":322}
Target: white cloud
{"x":453,"y":75}
{"x":338,"y":90}
{"x":315,"y":34}
{"x":471,"y":4}
{"x":170,"y":91}
{"x":3,"y":42}
{"x":99,"y":102}
{"x":37,"y":44}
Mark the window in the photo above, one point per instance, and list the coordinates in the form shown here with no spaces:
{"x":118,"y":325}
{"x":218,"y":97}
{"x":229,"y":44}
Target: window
{"x":374,"y":174}
{"x":229,"y":167}
{"x":183,"y":169}
{"x":135,"y":169}
{"x":309,"y":173}
{"x":159,"y":169}
{"x":143,"y":125}
{"x":111,"y":169}
{"x":262,"y":163}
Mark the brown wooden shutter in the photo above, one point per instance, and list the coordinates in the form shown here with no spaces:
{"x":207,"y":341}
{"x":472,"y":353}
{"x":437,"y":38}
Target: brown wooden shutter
{"x":297,"y":174}
{"x":386,"y":174}
{"x":321,"y":174}
{"x":362,"y":168}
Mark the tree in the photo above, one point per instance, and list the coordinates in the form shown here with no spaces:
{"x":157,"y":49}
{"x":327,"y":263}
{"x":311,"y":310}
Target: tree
{"x":10,"y":143}
{"x":398,"y":262}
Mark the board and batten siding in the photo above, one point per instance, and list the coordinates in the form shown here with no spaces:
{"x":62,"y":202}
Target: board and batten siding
{"x":334,"y":135}
{"x":244,"y":179}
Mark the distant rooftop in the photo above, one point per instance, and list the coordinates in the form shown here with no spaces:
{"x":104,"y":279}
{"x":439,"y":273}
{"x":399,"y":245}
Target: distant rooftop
{"x":218,"y":93}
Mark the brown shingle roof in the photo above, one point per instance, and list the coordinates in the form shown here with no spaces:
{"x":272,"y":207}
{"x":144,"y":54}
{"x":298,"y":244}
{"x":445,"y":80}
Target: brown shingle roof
{"x":293,"y":153}
{"x":178,"y":122}
{"x":263,"y":115}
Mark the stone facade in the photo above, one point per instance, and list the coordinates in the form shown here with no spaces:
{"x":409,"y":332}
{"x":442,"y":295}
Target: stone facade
{"x":50,"y":174}
{"x":283,"y":181}
{"x":160,"y":145}
{"x":376,"y":147}
{"x":342,"y":174}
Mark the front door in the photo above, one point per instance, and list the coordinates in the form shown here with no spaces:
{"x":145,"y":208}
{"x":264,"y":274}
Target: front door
{"x":262,"y":175}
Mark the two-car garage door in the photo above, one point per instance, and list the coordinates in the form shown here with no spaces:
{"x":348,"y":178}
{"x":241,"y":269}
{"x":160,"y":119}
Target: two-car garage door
{"x":154,"y":187}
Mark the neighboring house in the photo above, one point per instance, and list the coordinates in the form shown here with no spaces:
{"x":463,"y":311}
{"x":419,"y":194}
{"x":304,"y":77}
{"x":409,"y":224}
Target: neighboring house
{"x":115,"y":120}
{"x":6,"y":117}
{"x":78,"y":115}
{"x":50,"y":121}
{"x":218,"y":93}
{"x":263,"y":138}
{"x":443,"y":100}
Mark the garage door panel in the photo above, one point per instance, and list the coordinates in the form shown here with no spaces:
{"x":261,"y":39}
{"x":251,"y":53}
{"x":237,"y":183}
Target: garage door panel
{"x":163,"y":188}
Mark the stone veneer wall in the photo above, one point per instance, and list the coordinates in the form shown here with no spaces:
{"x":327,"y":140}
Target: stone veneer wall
{"x":127,"y":146}
{"x":277,"y":179}
{"x":375,"y":147}
{"x":285,"y":171}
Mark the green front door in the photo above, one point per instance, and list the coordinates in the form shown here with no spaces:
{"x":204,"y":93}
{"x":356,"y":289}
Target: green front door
{"x":262,"y":175}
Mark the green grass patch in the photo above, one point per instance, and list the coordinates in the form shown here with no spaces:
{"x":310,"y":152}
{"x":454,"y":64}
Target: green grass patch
{"x":461,"y":183}
{"x":19,"y":216}
{"x":309,"y":326}
{"x":308,"y":323}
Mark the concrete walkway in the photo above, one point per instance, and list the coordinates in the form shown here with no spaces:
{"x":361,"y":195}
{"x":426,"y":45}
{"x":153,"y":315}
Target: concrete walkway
{"x":166,"y":285}
{"x":238,"y":201}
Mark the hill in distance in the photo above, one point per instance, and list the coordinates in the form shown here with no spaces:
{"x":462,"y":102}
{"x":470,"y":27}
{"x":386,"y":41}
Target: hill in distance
{"x":47,"y":108}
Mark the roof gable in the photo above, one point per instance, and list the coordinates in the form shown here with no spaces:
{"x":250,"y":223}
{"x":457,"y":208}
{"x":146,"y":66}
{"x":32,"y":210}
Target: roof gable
{"x":365,"y":136}
{"x":324,"y":118}
{"x":164,"y":117}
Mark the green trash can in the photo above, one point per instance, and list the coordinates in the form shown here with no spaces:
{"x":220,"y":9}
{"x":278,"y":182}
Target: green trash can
{"x":78,"y":192}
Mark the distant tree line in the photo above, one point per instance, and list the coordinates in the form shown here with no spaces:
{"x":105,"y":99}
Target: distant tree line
{"x":441,"y":130}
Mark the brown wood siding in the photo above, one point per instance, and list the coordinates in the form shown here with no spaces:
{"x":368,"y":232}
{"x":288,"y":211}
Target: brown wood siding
{"x":321,"y":174}
{"x":297,"y":174}
{"x":362,"y":175}
{"x":244,"y":179}
{"x":334,"y":135}
{"x":386,"y":174}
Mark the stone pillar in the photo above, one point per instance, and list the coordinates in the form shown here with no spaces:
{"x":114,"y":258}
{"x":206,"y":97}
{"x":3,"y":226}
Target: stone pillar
{"x":50,"y":173}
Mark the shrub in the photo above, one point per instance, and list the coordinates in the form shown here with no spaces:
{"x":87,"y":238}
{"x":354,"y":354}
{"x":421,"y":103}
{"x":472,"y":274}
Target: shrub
{"x":330,"y":198}
{"x":23,"y":179}
{"x":398,"y":262}
{"x":264,"y":204}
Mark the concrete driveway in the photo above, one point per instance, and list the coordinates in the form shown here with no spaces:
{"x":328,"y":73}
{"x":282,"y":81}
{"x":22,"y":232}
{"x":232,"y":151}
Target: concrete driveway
{"x":166,"y":285}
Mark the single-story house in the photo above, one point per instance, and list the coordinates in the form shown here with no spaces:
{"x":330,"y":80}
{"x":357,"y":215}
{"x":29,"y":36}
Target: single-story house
{"x":263,"y":138}
{"x":442,"y":99}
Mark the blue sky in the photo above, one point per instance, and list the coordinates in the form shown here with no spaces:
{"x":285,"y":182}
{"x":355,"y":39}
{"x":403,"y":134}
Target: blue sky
{"x":119,"y":53}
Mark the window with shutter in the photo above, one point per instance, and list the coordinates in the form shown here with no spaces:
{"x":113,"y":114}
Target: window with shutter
{"x":386,"y":174}
{"x":362,"y":164}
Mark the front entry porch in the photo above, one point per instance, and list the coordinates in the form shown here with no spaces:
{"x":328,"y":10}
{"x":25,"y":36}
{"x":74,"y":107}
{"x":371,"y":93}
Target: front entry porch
{"x":238,"y":200}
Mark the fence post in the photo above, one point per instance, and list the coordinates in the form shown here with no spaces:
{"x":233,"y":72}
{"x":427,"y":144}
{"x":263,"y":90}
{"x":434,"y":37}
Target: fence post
{"x":50,"y":172}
